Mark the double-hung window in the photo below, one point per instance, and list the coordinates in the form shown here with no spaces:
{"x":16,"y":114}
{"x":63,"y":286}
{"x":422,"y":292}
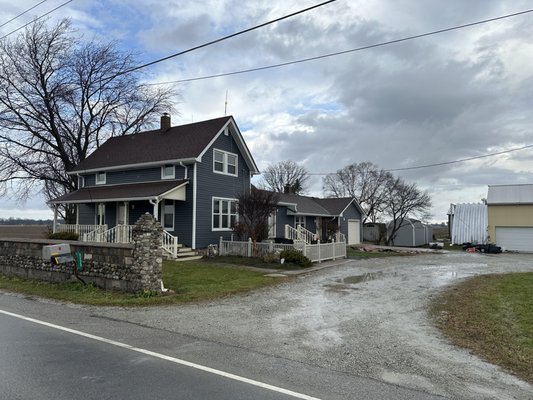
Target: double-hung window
{"x":225,"y":162}
{"x":224,"y":213}
{"x":100,"y":178}
{"x":168,"y":171}
{"x":299,"y":220}
{"x":168,"y":214}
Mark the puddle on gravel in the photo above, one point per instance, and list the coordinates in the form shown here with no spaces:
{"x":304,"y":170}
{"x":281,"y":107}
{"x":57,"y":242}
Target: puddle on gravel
{"x":368,"y":276}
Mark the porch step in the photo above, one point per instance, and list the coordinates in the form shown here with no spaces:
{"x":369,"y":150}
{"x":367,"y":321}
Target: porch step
{"x":188,"y":258}
{"x":186,"y":253}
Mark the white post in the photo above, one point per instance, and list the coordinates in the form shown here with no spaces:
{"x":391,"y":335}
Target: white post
{"x":55,"y":219}
{"x":334,"y":244}
{"x":220,"y":246}
{"x":249,"y":247}
{"x":318,"y":243}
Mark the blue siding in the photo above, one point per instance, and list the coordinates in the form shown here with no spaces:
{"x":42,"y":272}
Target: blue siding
{"x":211,"y":185}
{"x":350,"y":213}
{"x":283,"y":219}
{"x":136,"y":175}
{"x":87,"y":214}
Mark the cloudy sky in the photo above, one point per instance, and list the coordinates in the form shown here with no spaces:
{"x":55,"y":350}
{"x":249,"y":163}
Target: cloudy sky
{"x":436,"y":99}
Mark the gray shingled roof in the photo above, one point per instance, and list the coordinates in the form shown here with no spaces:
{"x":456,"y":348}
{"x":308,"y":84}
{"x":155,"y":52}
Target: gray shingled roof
{"x":177,"y":143}
{"x":314,"y":206}
{"x":134,"y":191}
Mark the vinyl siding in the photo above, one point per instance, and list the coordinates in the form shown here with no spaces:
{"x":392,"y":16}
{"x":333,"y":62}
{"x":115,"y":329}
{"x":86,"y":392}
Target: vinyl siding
{"x":283,"y":219}
{"x":135,"y":175}
{"x":212,"y":184}
{"x":87,"y":214}
{"x":350,"y":213}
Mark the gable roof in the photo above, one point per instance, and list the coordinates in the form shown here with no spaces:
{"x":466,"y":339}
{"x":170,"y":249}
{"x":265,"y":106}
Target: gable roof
{"x":510,"y":194}
{"x":184,"y":143}
{"x":305,"y":205}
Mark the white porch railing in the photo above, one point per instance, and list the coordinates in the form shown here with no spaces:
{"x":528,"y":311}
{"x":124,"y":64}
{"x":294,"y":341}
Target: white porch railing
{"x":79,"y":229}
{"x":299,"y":234}
{"x":315,"y":252}
{"x":170,"y":244}
{"x":117,"y":234}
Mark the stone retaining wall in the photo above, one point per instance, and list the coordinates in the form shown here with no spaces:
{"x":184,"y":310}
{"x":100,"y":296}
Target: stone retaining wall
{"x":130,"y":267}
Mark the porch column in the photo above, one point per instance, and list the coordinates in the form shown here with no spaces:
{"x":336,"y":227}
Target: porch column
{"x":77,"y":218}
{"x":155,"y":203}
{"x":55,"y":219}
{"x":126,"y":209}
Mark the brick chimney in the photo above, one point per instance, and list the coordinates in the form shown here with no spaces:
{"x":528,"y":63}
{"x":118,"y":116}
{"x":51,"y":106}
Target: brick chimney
{"x":165,"y":122}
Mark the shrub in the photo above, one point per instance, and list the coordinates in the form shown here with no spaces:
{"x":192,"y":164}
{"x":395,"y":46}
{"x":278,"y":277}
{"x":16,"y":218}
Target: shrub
{"x":271,"y":258}
{"x":63,"y":236}
{"x":295,"y":257}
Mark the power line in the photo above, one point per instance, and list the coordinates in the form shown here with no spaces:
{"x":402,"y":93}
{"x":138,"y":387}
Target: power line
{"x":218,"y":40}
{"x":36,"y":19}
{"x":442,"y":163}
{"x":22,"y":13}
{"x":380,"y":44}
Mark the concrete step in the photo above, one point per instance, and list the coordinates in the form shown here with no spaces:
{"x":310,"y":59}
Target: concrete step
{"x":187,"y":253}
{"x":188,"y":258}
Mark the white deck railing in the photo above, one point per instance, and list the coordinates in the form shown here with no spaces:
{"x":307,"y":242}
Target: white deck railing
{"x":170,"y":244}
{"x":117,"y":234}
{"x":315,"y":252}
{"x":79,"y":229}
{"x":299,"y":234}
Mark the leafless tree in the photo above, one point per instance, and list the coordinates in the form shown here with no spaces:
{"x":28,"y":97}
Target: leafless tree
{"x":60,"y":98}
{"x":254,"y":209}
{"x":363,"y":181}
{"x":404,"y":200}
{"x":285,"y":176}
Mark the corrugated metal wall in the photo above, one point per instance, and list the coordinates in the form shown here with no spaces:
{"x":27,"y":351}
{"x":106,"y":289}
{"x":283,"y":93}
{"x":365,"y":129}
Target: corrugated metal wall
{"x":469,"y":223}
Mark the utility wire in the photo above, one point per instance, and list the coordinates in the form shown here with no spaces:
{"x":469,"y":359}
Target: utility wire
{"x":22,"y":13}
{"x":218,"y":40}
{"x":442,"y":163}
{"x":36,"y":19}
{"x":344,"y":51}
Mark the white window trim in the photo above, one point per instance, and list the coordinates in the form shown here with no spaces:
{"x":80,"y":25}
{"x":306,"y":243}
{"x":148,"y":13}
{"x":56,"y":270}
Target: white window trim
{"x":225,"y":163}
{"x":220,"y":215}
{"x":163,"y":176}
{"x":296,"y":217}
{"x":81,"y":182}
{"x":100,"y":182}
{"x":163,"y":203}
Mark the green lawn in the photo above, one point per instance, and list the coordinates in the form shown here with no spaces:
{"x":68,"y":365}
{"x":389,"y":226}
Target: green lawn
{"x":493,"y":316}
{"x":191,"y":281}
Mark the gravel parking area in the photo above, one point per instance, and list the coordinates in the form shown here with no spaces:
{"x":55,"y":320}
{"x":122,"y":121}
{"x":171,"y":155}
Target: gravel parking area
{"x":362,"y":317}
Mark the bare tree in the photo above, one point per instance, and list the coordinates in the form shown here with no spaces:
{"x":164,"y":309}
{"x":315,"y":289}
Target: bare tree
{"x":285,"y":176}
{"x":60,"y":98}
{"x":363,"y":181}
{"x":254,"y":209}
{"x":404,"y":200}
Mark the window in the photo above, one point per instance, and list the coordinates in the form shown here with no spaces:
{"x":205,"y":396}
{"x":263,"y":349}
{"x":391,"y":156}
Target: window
{"x":100,"y":214}
{"x":168,"y":214}
{"x":224,"y":213}
{"x":168,"y":172}
{"x":299,"y":220}
{"x":224,"y":162}
{"x":100,"y":178}
{"x":81,"y":182}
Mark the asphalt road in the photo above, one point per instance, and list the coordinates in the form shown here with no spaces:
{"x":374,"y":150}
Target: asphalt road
{"x":81,"y":355}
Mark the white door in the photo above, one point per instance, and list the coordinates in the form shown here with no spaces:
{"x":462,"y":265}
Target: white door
{"x":519,"y":239}
{"x":354,"y":231}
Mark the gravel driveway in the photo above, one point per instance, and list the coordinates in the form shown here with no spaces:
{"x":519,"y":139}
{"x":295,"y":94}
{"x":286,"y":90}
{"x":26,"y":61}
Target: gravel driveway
{"x":366,"y":318}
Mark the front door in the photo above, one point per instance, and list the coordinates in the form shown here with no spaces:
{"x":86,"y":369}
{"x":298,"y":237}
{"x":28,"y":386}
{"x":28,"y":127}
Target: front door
{"x":122,"y":213}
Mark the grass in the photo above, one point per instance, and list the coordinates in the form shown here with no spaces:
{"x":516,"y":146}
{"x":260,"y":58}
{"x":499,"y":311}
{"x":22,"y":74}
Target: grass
{"x":492,"y":315}
{"x":256,"y":262}
{"x":354,"y":253}
{"x":193,"y":281}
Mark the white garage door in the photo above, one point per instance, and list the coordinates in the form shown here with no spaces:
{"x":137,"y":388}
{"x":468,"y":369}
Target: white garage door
{"x":519,"y":239}
{"x":354,"y":231}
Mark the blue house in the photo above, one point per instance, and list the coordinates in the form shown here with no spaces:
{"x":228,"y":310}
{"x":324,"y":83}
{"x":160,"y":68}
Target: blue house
{"x":187,"y":176}
{"x":317,"y":219}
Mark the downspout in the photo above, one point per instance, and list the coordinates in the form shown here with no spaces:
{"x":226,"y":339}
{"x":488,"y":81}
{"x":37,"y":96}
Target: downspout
{"x":194,"y":192}
{"x":186,"y":175}
{"x":155,"y":203}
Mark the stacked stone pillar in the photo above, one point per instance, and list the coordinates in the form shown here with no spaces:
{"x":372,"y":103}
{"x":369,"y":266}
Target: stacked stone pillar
{"x":147,"y":253}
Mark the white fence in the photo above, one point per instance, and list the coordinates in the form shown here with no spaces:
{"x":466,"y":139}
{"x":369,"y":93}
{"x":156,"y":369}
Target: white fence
{"x":79,"y":229}
{"x":315,"y":252}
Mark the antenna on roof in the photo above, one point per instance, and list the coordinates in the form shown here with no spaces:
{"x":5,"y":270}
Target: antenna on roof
{"x":226,"y":104}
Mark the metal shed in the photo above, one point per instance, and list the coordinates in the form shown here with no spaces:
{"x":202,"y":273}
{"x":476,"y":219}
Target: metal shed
{"x":412,"y":233}
{"x":468,"y":223}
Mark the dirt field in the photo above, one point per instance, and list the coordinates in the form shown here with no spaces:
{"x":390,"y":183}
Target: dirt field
{"x":24,"y":231}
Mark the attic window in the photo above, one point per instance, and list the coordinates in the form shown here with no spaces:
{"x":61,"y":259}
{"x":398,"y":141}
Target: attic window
{"x":100,"y":178}
{"x":224,"y":162}
{"x":168,"y":172}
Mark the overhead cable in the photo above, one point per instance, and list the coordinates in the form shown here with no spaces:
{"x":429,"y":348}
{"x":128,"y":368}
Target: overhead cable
{"x":22,"y":13}
{"x":380,"y":44}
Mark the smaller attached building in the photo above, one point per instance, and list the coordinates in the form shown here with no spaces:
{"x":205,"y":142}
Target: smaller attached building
{"x":510,"y":216}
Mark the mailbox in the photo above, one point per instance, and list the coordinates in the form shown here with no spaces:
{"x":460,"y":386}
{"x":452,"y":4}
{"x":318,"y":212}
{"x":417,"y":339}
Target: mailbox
{"x":57,"y":253}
